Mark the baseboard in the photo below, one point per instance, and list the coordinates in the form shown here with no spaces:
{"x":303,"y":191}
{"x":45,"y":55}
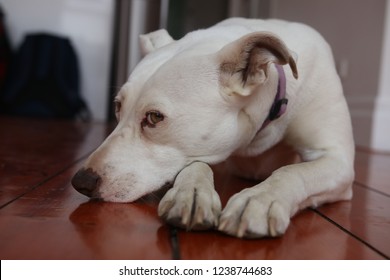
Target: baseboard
{"x":381,"y":125}
{"x":361,"y":109}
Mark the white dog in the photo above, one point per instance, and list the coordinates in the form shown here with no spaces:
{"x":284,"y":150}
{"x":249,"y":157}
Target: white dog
{"x":242,"y":91}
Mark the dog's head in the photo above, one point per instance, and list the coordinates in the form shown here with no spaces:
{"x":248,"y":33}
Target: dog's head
{"x":184,"y":102}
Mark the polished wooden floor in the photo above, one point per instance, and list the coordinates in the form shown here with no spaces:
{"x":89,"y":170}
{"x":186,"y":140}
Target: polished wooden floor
{"x":42,"y":217}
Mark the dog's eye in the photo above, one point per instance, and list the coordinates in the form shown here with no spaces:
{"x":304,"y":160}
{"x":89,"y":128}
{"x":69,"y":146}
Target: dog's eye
{"x":152,"y":118}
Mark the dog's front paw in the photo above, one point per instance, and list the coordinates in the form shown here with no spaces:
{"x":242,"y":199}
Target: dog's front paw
{"x":192,"y":203}
{"x":252,"y":214}
{"x":192,"y":208}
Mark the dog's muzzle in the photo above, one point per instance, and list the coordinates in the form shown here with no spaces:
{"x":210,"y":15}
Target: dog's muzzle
{"x":86,"y":181}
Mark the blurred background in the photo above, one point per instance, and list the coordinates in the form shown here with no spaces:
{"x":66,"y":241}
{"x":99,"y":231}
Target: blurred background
{"x":84,"y":50}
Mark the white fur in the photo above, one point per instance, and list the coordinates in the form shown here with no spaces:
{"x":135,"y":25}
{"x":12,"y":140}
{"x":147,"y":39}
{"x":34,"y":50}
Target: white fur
{"x":211,"y":116}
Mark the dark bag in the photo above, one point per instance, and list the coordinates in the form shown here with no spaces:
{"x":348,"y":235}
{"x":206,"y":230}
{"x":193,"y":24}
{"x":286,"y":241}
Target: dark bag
{"x":44,"y":80}
{"x":5,"y":50}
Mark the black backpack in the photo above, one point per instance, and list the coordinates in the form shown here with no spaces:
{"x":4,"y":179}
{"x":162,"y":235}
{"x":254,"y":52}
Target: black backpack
{"x":5,"y":50}
{"x":44,"y":80}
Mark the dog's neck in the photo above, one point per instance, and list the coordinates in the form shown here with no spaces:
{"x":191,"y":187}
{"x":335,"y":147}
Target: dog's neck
{"x":279,"y":106}
{"x":276,"y":105}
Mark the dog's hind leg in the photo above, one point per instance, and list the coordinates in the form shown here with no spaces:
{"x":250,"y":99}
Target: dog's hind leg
{"x":192,"y":203}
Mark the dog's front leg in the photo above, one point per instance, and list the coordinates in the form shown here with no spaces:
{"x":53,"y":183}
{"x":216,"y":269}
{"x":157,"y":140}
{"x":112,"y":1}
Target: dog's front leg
{"x":265,"y":209}
{"x":192,"y":203}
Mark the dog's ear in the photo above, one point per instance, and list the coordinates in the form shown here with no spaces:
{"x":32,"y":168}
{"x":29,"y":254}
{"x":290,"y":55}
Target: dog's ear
{"x":245,"y":62}
{"x":154,"y":40}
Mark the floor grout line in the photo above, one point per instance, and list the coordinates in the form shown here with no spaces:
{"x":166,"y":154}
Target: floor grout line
{"x":174,"y":241}
{"x":44,"y":181}
{"x":362,"y":185}
{"x":350,"y":233}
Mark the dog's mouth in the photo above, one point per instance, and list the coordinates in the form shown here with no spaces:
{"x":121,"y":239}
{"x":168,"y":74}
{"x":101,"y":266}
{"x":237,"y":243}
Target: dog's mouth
{"x":156,"y":195}
{"x":89,"y":183}
{"x":122,"y":197}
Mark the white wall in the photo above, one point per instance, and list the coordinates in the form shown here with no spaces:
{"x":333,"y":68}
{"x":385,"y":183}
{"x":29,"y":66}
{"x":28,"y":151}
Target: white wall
{"x":354,"y":29}
{"x":381,"y":120}
{"x":88,"y":23}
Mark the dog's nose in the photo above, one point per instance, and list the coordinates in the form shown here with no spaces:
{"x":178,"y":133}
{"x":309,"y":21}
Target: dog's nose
{"x":86,"y":181}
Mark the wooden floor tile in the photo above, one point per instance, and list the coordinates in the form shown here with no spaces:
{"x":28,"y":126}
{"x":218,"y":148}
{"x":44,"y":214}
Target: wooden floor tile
{"x":366,"y":216}
{"x":373,"y":170}
{"x":53,"y":221}
{"x":34,"y":150}
{"x":308,"y":237}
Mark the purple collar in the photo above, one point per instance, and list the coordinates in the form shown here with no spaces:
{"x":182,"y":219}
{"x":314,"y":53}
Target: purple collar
{"x":279,"y":106}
